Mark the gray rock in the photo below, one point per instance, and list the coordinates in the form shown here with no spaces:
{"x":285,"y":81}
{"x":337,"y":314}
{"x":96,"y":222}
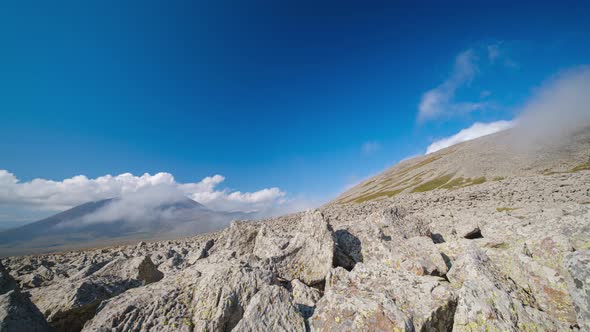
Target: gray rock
{"x":304,"y":297}
{"x":17,"y":313}
{"x":375,"y":297}
{"x":203,"y":297}
{"x":306,"y":255}
{"x":578,"y":265}
{"x":271,"y":309}
{"x":68,"y":305}
{"x":488,"y":300}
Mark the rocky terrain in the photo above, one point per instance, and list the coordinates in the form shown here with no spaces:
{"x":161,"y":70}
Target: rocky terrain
{"x":511,"y":253}
{"x":504,"y":255}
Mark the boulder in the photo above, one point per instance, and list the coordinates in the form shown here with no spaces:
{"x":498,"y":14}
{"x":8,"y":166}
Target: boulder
{"x":271,"y":309}
{"x":373,"y":297}
{"x":304,"y":297}
{"x":306,"y":255}
{"x":578,"y":265}
{"x":489,"y":300}
{"x":137,"y":268}
{"x":17,"y":313}
{"x":204,"y":297}
{"x":69,"y":304}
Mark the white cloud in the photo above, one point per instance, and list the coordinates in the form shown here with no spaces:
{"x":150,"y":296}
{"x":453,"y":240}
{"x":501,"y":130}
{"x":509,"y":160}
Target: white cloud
{"x":370,"y":147}
{"x":61,"y":195}
{"x":440,"y":100}
{"x":476,"y":130}
{"x":560,"y":107}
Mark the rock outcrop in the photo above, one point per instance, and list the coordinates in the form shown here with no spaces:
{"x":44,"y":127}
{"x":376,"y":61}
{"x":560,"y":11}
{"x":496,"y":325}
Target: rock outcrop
{"x":17,"y":313}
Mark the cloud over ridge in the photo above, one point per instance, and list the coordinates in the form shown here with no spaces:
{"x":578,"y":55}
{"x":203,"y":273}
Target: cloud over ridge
{"x":61,"y":195}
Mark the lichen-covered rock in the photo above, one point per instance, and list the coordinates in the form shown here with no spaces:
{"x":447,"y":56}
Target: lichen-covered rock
{"x":17,"y":313}
{"x":240,"y":238}
{"x":578,"y":265}
{"x":304,"y":297}
{"x":369,"y":243}
{"x":373,"y":297}
{"x":137,"y":268}
{"x":397,"y":222}
{"x":271,"y":309}
{"x":204,"y":297}
{"x":68,"y":305}
{"x":489,"y":300}
{"x":306,"y":255}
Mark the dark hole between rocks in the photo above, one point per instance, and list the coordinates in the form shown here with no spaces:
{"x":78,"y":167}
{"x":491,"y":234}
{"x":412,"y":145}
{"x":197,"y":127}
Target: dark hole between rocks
{"x":476,"y":234}
{"x":437,"y":238}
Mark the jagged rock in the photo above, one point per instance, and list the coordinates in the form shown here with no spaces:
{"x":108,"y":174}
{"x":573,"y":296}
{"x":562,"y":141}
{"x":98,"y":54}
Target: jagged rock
{"x":304,"y":297}
{"x":204,"y":297}
{"x":240,"y":238}
{"x":138,"y":268}
{"x":368,"y":243}
{"x":400,"y":223}
{"x":271,"y":309}
{"x":201,"y":252}
{"x":17,"y":313}
{"x":578,"y":265}
{"x":68,"y":305}
{"x":488,"y":300}
{"x":307,"y":255}
{"x":373,"y":297}
{"x":467,"y":228}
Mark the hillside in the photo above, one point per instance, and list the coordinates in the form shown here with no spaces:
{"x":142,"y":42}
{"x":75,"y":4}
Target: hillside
{"x":503,"y":155}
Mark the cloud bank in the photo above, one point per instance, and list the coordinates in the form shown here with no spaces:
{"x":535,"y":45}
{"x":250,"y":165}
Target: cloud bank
{"x":61,"y":195}
{"x":478,"y":129}
{"x":560,"y":107}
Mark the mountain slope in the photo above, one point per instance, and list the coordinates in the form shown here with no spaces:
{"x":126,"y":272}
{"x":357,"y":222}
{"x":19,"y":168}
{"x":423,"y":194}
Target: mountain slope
{"x":85,"y":226}
{"x":503,"y":155}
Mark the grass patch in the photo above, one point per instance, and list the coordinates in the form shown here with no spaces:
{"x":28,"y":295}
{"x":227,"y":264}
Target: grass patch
{"x":433,"y":184}
{"x":498,"y":178}
{"x":462,"y":182}
{"x":505,"y":209}
{"x":454,"y":183}
{"x":389,"y":193}
{"x":582,"y":167}
{"x":478,"y":180}
{"x":419,"y":165}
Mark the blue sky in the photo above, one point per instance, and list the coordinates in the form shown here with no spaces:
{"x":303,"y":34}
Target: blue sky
{"x":302,"y":96}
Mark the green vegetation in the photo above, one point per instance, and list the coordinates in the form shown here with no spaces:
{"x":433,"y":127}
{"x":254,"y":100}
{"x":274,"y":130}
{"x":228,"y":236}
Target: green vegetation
{"x":389,"y":193}
{"x":582,"y":167}
{"x":505,"y":209}
{"x":433,"y":184}
{"x":498,"y":178}
{"x":455,"y":183}
{"x":419,"y":165}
